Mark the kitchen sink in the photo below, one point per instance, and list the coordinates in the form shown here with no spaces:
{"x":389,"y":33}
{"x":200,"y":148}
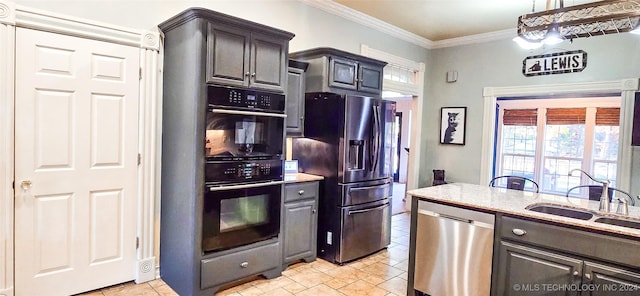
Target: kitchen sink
{"x":618,"y":222}
{"x":563,"y":211}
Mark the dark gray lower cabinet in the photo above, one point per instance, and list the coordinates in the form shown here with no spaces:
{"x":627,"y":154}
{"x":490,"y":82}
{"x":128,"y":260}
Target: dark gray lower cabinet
{"x":536,"y":258}
{"x":300,"y":222}
{"x":610,"y":280}
{"x":525,"y":270}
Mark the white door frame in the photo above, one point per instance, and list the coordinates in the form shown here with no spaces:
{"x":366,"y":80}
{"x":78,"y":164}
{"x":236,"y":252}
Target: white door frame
{"x":417,"y":91}
{"x":626,"y":87}
{"x":13,"y":16}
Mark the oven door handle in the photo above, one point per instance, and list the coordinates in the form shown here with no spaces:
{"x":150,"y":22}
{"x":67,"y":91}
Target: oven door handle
{"x":250,"y":113}
{"x":244,"y":186}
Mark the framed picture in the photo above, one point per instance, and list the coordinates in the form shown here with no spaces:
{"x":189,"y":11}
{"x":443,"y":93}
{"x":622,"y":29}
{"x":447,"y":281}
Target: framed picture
{"x":453,"y":124}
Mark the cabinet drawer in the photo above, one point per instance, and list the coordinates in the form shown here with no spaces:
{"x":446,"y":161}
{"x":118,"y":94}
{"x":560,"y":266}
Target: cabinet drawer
{"x":228,"y":268}
{"x":602,"y":247}
{"x":299,"y":191}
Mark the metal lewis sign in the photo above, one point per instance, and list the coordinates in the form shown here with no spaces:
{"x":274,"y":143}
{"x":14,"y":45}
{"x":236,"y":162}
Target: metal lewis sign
{"x":555,"y":63}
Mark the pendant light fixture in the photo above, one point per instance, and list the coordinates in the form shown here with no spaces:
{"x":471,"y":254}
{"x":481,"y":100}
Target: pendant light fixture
{"x":567,"y":23}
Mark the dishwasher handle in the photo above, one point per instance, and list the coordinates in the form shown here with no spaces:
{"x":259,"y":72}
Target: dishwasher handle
{"x":456,"y":218}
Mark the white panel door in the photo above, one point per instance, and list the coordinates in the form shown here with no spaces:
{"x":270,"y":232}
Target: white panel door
{"x":76,"y":163}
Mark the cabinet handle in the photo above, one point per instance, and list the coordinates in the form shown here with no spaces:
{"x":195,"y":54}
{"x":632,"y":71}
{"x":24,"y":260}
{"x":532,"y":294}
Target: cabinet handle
{"x":301,"y":192}
{"x":253,"y":74}
{"x":588,"y":276}
{"x":246,"y":74}
{"x":519,"y":232}
{"x":576,"y":273}
{"x":314,"y":211}
{"x":244,"y":264}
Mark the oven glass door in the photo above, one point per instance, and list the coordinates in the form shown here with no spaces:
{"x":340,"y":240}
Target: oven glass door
{"x":233,"y":133}
{"x":240,"y":214}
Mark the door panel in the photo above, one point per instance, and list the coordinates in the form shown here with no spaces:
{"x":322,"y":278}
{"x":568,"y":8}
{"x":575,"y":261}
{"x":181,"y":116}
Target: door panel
{"x":370,"y":79}
{"x":227,"y":55}
{"x":267,"y":62}
{"x":364,"y":230}
{"x":360,"y":142}
{"x":75,"y":163}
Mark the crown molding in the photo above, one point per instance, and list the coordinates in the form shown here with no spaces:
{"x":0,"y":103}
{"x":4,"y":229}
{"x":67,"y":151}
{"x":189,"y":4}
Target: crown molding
{"x":361,"y":18}
{"x":477,"y":38}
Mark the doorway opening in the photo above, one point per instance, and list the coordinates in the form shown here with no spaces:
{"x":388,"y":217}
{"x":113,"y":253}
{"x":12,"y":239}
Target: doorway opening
{"x":397,"y":128}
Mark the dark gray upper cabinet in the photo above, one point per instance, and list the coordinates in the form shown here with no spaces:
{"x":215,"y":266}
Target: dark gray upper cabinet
{"x":240,"y":57}
{"x":333,"y":70}
{"x":295,"y":98}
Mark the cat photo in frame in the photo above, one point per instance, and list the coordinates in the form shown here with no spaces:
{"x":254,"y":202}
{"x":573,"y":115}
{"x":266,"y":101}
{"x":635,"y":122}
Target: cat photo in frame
{"x":453,"y":122}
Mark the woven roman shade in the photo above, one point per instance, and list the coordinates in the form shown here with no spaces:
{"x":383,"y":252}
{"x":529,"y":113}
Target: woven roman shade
{"x":561,"y":116}
{"x":608,"y":116}
{"x":526,"y":117}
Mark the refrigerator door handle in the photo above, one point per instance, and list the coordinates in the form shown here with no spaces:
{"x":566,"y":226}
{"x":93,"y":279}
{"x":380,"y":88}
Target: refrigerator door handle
{"x":372,"y":142}
{"x":378,"y":138}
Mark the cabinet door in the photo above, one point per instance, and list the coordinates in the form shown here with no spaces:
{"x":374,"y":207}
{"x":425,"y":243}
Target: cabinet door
{"x":295,"y":102}
{"x":299,"y":230}
{"x":343,"y":73}
{"x":609,"y":280}
{"x":227,"y":55}
{"x":370,"y":78}
{"x":524,"y":270}
{"x":268,"y":62}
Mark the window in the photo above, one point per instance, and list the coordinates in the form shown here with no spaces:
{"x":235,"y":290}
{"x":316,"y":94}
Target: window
{"x":544,"y":139}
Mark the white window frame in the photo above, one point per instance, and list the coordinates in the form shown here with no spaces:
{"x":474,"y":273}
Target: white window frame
{"x":590,"y":103}
{"x":626,"y":88}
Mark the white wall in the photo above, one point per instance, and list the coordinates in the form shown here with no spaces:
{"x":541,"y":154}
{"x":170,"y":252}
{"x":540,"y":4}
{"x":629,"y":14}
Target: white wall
{"x":499,"y":63}
{"x":313,"y":27}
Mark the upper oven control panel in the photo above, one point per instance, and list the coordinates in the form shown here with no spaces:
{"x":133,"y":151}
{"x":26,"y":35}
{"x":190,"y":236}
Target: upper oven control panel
{"x":239,"y":171}
{"x":237,"y":98}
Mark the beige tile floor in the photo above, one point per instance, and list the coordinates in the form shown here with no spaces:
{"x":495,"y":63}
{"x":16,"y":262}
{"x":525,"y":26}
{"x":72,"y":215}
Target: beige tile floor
{"x":383,"y":273}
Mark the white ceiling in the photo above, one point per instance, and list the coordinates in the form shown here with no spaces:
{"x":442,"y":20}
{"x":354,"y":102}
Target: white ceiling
{"x":438,"y":20}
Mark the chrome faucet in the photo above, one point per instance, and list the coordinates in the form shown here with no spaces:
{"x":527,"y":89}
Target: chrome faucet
{"x":604,"y":198}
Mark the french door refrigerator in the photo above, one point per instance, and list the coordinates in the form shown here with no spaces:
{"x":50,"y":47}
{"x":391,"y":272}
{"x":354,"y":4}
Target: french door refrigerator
{"x":349,"y":141}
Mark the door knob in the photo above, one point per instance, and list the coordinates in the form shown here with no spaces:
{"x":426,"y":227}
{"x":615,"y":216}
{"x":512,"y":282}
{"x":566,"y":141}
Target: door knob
{"x":26,"y":185}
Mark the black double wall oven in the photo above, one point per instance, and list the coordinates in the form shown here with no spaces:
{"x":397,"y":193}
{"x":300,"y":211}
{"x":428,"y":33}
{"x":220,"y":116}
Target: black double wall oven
{"x":243,"y":169}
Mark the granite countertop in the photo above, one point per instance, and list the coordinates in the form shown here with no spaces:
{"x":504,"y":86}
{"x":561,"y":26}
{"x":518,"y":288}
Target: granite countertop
{"x":302,"y":177}
{"x":514,"y":202}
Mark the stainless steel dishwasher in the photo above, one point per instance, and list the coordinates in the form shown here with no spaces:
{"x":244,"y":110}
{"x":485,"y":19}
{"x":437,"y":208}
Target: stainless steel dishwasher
{"x":454,"y":247}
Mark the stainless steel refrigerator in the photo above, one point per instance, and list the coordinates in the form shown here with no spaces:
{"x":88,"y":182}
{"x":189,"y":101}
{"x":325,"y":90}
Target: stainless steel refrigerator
{"x":349,"y":141}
